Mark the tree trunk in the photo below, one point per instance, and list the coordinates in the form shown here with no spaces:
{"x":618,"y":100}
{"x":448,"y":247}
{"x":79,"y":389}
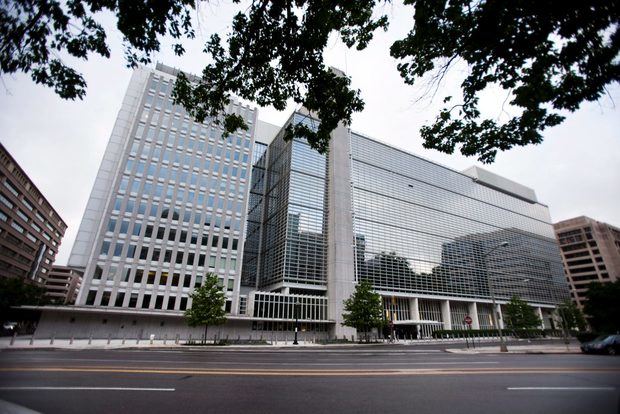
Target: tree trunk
{"x":205,"y":340}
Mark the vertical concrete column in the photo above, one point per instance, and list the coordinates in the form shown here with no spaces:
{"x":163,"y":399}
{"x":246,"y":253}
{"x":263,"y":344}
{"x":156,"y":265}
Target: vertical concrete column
{"x":445,"y":314}
{"x":500,"y":316}
{"x":340,"y":258}
{"x":473,"y":313}
{"x":414,"y":310}
{"x":542,"y":318}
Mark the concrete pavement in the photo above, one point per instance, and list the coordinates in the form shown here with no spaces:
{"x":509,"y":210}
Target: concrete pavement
{"x":453,"y":345}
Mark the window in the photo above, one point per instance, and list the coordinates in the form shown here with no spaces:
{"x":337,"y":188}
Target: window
{"x":12,"y":189}
{"x":168,"y":256}
{"x":118,"y":249}
{"x":144,"y":252}
{"x":17,"y":227}
{"x":146,"y":301}
{"x":124,"y":227}
{"x":118,"y":302}
{"x":136,"y":229}
{"x":138,"y":277}
{"x":131,"y":251}
{"x":22,"y":215}
{"x":105,"y":248}
{"x":6,"y":202}
{"x":111,"y":225}
{"x":27,"y":204}
{"x":133,"y":300}
{"x":105,"y":299}
{"x":90,"y":299}
{"x":98,"y":272}
{"x":160,"y":233}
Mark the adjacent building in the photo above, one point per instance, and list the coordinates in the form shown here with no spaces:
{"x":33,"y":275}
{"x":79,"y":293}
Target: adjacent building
{"x":63,"y":284}
{"x":289,"y":231}
{"x":590,"y":253}
{"x":30,"y":229}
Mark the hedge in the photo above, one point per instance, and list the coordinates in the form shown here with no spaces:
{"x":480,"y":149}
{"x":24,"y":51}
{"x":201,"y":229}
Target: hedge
{"x":477,"y":333}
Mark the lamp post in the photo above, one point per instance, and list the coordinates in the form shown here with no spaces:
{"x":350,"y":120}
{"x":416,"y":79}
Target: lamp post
{"x":502,"y":344}
{"x":296,"y":320}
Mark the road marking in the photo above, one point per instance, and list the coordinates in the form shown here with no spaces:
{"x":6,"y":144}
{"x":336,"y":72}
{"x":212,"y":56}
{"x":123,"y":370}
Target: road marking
{"x":148,"y":361}
{"x":316,"y":373}
{"x":83,"y":389}
{"x":561,"y":388}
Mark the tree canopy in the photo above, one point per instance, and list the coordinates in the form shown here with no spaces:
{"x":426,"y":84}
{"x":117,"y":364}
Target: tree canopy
{"x":207,"y":306}
{"x":571,"y":316}
{"x":520,"y":315}
{"x":548,"y":57}
{"x":14,"y":292}
{"x":364,"y":309}
{"x":602,"y":306}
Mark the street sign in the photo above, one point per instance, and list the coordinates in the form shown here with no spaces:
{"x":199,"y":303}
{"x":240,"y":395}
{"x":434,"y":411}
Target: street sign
{"x":468,"y":320}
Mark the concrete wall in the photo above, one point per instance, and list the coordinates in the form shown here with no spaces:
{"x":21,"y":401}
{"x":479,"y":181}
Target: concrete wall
{"x":131,"y":326}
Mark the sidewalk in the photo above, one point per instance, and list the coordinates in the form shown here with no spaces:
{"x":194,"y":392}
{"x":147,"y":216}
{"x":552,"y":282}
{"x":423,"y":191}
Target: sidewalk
{"x":129,"y":343}
{"x":520,"y":349}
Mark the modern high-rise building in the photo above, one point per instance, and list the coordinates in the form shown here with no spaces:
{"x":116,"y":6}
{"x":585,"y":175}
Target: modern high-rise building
{"x":289,"y":231}
{"x":30,"y":229}
{"x":590,"y":253}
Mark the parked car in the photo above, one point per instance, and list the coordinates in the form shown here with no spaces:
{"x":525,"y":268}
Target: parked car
{"x":604,"y":344}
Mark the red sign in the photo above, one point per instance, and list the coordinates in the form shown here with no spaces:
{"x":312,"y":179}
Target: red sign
{"x":468,"y":320}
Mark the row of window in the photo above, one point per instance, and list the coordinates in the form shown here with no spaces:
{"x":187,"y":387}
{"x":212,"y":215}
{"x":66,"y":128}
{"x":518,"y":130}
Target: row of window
{"x":169,"y":256}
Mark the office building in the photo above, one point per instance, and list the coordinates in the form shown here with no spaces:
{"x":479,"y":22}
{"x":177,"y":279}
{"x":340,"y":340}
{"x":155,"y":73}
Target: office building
{"x":63,"y":284}
{"x":289,"y":231}
{"x":30,"y":229}
{"x":590,"y":253}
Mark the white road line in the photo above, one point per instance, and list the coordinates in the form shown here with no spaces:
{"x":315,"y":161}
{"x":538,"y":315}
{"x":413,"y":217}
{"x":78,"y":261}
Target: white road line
{"x":83,"y":389}
{"x":560,"y":388}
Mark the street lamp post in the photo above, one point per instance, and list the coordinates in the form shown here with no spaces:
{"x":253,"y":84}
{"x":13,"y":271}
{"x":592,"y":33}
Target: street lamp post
{"x":502,"y":344}
{"x":296,"y":321}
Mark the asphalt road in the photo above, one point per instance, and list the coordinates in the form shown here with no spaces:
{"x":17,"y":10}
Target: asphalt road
{"x":365,"y":379}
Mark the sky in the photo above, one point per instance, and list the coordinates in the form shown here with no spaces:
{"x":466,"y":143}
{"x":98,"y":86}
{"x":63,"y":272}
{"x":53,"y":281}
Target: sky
{"x":60,"y":144}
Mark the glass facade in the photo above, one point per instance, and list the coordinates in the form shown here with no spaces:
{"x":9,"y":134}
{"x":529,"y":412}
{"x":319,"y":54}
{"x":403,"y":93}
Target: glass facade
{"x":293,"y":247}
{"x":421,"y":228}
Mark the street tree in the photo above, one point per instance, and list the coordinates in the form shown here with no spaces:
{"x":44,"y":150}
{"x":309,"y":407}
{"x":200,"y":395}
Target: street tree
{"x":14,"y":292}
{"x":207,"y":306}
{"x":602,"y":306}
{"x":571,"y":316}
{"x":519,"y":315}
{"x":548,"y":58}
{"x":364,"y":309}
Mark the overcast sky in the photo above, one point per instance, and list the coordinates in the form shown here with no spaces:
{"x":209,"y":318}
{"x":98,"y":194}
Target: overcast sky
{"x":576,"y":171}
